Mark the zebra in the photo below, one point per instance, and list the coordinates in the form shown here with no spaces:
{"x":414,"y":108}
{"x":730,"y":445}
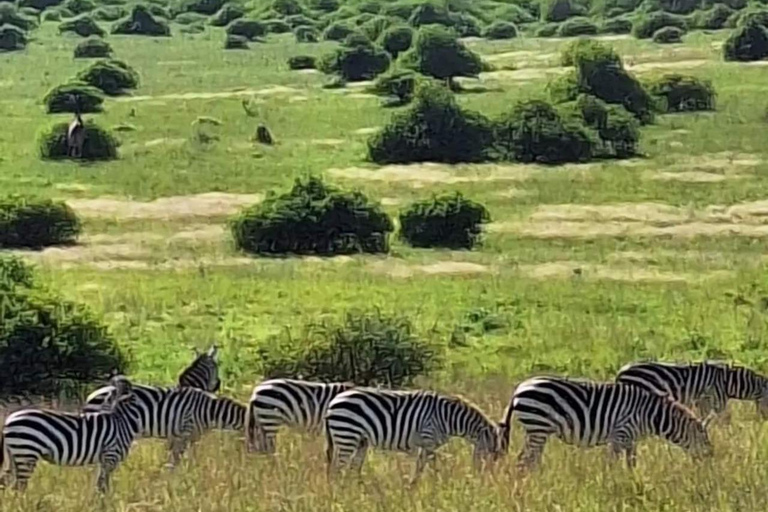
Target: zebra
{"x":290,"y":402}
{"x":706,"y":386}
{"x":203,"y":373}
{"x":410,"y":421}
{"x":179,"y":415}
{"x":66,"y":439}
{"x":587,"y":414}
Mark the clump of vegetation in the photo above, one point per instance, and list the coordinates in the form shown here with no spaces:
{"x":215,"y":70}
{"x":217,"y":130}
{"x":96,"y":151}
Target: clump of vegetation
{"x":359,"y":59}
{"x":313,"y":218}
{"x":397,"y":84}
{"x":141,"y":22}
{"x":430,"y":14}
{"x":226,"y":15}
{"x":646,"y":26}
{"x":438,"y":53}
{"x":668,"y":35}
{"x":79,"y":6}
{"x":500,"y":30}
{"x":367,"y":349}
{"x":306,"y":34}
{"x":55,"y":15}
{"x":72,"y":96}
{"x":83,"y":26}
{"x":324,"y":5}
{"x":337,"y":31}
{"x":36,"y":223}
{"x":435,"y":128}
{"x":578,"y":26}
{"x":616,"y":26}
{"x":302,"y":62}
{"x":449,"y":221}
{"x":376,"y":26}
{"x":10,"y":15}
{"x":747,"y":43}
{"x":276,"y":26}
{"x":683,"y":93}
{"x":12,"y":38}
{"x":547,"y":30}
{"x":233,"y":42}
{"x":205,"y":7}
{"x":618,"y":132}
{"x":287,"y":7}
{"x":188,"y":18}
{"x":714,"y":18}
{"x":93,"y":48}
{"x":397,"y":39}
{"x":109,"y":13}
{"x":99,"y":143}
{"x":252,"y":30}
{"x":112,"y":76}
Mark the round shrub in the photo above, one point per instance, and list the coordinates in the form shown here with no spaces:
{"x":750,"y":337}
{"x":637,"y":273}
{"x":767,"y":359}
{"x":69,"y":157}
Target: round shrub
{"x":226,"y":15}
{"x":206,"y":7}
{"x":12,"y":38}
{"x":439,"y":54}
{"x":249,"y":29}
{"x":533,"y":131}
{"x":32,"y":223}
{"x":668,"y":35}
{"x":683,"y":93}
{"x":397,"y":39}
{"x":465,"y":25}
{"x":577,"y":27}
{"x":83,"y":26}
{"x":513,"y":13}
{"x":40,"y":5}
{"x":370,"y":7}
{"x":588,"y":50}
{"x":287,"y":7}
{"x":10,"y":15}
{"x":356,"y":63}
{"x":714,"y":18}
{"x":188,"y":18}
{"x":337,"y":31}
{"x":79,"y":6}
{"x":646,"y":26}
{"x":753,"y":14}
{"x":306,"y":35}
{"x":500,"y":30}
{"x":449,"y":221}
{"x":99,"y":143}
{"x":112,"y":76}
{"x":618,"y":131}
{"x":234,"y":42}
{"x":399,"y":84}
{"x":299,"y":20}
{"x":375,"y":27}
{"x":52,"y":15}
{"x":142,"y":23}
{"x":193,"y":28}
{"x":435,"y":128}
{"x":73,"y":96}
{"x":402,"y":10}
{"x":302,"y":62}
{"x":616,"y":26}
{"x":559,"y":10}
{"x":313,"y":218}
{"x":547,"y":30}
{"x":109,"y":13}
{"x":430,"y":14}
{"x":276,"y":26}
{"x":747,"y":43}
{"x":324,"y":5}
{"x":367,"y":349}
{"x":93,"y":48}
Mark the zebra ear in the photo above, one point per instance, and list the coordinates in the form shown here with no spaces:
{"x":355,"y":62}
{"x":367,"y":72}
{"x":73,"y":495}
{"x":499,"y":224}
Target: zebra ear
{"x":213,"y":352}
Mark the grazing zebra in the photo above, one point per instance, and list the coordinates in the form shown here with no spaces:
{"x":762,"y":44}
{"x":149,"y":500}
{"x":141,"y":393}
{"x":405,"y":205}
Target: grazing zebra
{"x":707,"y":386}
{"x":289,"y":402}
{"x":180,"y":415}
{"x":66,"y":439}
{"x":409,"y":421}
{"x":203,"y":373}
{"x":587,"y":414}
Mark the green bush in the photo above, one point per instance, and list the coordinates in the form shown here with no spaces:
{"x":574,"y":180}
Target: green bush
{"x":49,"y":345}
{"x":397,"y":39}
{"x":547,"y":30}
{"x":500,"y":30}
{"x":449,"y":221}
{"x":10,"y":15}
{"x":299,"y":20}
{"x":668,"y":35}
{"x":93,"y":48}
{"x":249,"y":29}
{"x":83,"y":26}
{"x":226,"y":15}
{"x":618,"y":131}
{"x":313,"y":218}
{"x":14,"y":273}
{"x":158,"y":10}
{"x":465,"y":25}
{"x":646,"y":26}
{"x":287,"y":7}
{"x":747,"y":43}
{"x":234,"y":42}
{"x":403,"y":10}
{"x":682,"y":93}
{"x":79,"y":6}
{"x":370,"y":7}
{"x":99,"y":143}
{"x":112,"y":76}
{"x":588,"y":50}
{"x":53,"y":15}
{"x":755,"y":14}
{"x":376,"y":26}
{"x":367,"y":349}
{"x":559,"y":10}
{"x":578,"y":26}
{"x":193,"y":28}
{"x":302,"y":62}
{"x":188,"y":18}
{"x":337,"y":31}
{"x":533,"y":131}
{"x":306,"y":35}
{"x":206,"y":7}
{"x":714,"y":18}
{"x":513,"y":13}
{"x":324,"y":5}
{"x":276,"y":26}
{"x":616,"y":26}
{"x":399,"y":84}
{"x":435,"y":128}
{"x":33,"y":223}
{"x":356,"y":63}
{"x":142,"y":23}
{"x":430,"y":14}
{"x":439,"y":54}
{"x":72,"y":96}
{"x":109,"y":13}
{"x":12,"y":38}
{"x":40,"y":5}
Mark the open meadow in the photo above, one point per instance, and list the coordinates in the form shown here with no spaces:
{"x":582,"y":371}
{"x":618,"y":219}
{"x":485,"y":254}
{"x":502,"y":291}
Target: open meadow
{"x":583,"y":268}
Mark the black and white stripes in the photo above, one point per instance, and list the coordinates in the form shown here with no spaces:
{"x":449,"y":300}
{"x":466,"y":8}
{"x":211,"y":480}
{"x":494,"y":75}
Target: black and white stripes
{"x":203,"y":373}
{"x":65,"y":439}
{"x":586,"y":413}
{"x":410,"y":421}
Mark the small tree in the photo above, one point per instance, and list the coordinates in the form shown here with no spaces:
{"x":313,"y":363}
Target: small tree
{"x":747,"y":43}
{"x":616,"y":26}
{"x":249,"y":29}
{"x":357,"y":60}
{"x":93,"y":48}
{"x":398,"y":84}
{"x":683,"y":93}
{"x":99,"y":144}
{"x":337,"y":31}
{"x":500,"y":30}
{"x":449,"y":221}
{"x":668,"y":35}
{"x":618,"y":131}
{"x":646,"y":26}
{"x":141,"y":22}
{"x":10,"y":15}
{"x":430,"y":14}
{"x":83,"y":26}
{"x":439,"y":54}
{"x":233,"y":42}
{"x":226,"y":15}
{"x":74,"y":96}
{"x":306,"y":35}
{"x":34,"y":223}
{"x":302,"y":62}
{"x":578,"y":26}
{"x":397,"y":39}
{"x":112,"y":76}
{"x":12,"y":38}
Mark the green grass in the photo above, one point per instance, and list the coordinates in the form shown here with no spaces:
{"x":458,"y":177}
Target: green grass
{"x":198,"y":289}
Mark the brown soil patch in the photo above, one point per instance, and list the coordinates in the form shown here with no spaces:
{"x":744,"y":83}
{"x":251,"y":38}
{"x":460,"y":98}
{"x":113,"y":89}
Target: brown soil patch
{"x":578,"y":270}
{"x":276,"y":89}
{"x":212,"y":204}
{"x":680,"y":64}
{"x":398,"y":268}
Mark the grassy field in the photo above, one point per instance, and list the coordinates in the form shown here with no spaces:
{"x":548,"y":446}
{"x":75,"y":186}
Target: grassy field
{"x":585,"y":267}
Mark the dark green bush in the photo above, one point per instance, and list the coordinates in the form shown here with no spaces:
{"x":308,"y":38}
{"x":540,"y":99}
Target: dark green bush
{"x":668,"y":35}
{"x":306,"y":35}
{"x":646,"y":26}
{"x":616,"y":26}
{"x":500,"y":30}
{"x":249,"y":29}
{"x":276,"y":26}
{"x":79,"y":6}
{"x":71,"y":96}
{"x":313,"y":218}
{"x":83,"y":26}
{"x":533,"y":131}
{"x":755,"y":14}
{"x":368,"y":349}
{"x":674,"y":6}
{"x":226,"y":15}
{"x":618,"y":131}
{"x":430,"y":14}
{"x":398,"y":84}
{"x":99,"y":143}
{"x":206,"y":7}
{"x":299,"y":20}
{"x":53,"y":15}
{"x":714,"y":18}
{"x":397,"y":39}
{"x":302,"y":62}
{"x":112,"y":76}
{"x":435,"y":128}
{"x":12,"y":38}
{"x":142,"y":23}
{"x":465,"y":25}
{"x":747,"y":43}
{"x":356,"y":63}
{"x":513,"y":13}
{"x":40,"y":5}
{"x":439,"y":54}
{"x":93,"y":48}
{"x":547,"y":30}
{"x":449,"y":221}
{"x":681,"y":93}
{"x":324,"y":5}
{"x":559,"y":10}
{"x":158,"y":10}
{"x":10,"y":15}
{"x":588,"y":50}
{"x":187,"y":18}
{"x":337,"y":31}
{"x":36,"y":223}
{"x":373,"y":28}
{"x":402,"y":10}
{"x":109,"y":13}
{"x":287,"y":7}
{"x":356,"y":39}
{"x":578,"y":26}
{"x":234,"y":42}
{"x":370,"y":7}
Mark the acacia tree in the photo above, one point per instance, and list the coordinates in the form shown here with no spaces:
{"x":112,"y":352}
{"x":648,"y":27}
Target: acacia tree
{"x":439,"y":53}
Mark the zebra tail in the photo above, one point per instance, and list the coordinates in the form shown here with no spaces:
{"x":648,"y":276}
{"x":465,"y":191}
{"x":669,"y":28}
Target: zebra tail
{"x":250,"y":427}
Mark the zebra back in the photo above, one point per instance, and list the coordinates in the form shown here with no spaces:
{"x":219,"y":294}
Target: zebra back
{"x":685,"y":383}
{"x":203,"y":373}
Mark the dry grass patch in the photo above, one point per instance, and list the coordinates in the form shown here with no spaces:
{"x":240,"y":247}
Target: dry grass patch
{"x":665,"y":65}
{"x":275,"y":89}
{"x":368,"y":131}
{"x":397,"y":268}
{"x":692,"y":176}
{"x":581,"y":270}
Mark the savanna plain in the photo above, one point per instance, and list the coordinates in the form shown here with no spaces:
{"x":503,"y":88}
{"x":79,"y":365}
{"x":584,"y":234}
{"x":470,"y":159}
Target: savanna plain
{"x":584,"y":267}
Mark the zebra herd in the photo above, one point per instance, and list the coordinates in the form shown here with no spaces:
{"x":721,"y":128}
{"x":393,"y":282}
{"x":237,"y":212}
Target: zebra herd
{"x":646,"y":399}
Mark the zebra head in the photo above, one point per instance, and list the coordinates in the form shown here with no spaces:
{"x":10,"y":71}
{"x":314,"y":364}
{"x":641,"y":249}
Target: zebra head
{"x":680,"y":426}
{"x":203,"y":373}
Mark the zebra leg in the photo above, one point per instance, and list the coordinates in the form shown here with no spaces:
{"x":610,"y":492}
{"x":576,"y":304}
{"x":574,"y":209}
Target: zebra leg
{"x":529,"y":457}
{"x":623,"y":441}
{"x":426,"y":455}
{"x":22,"y":467}
{"x":109,"y":462}
{"x":358,"y":458}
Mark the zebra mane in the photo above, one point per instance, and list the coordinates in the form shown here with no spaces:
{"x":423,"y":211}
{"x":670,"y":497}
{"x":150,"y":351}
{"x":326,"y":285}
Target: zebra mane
{"x":469,"y":404}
